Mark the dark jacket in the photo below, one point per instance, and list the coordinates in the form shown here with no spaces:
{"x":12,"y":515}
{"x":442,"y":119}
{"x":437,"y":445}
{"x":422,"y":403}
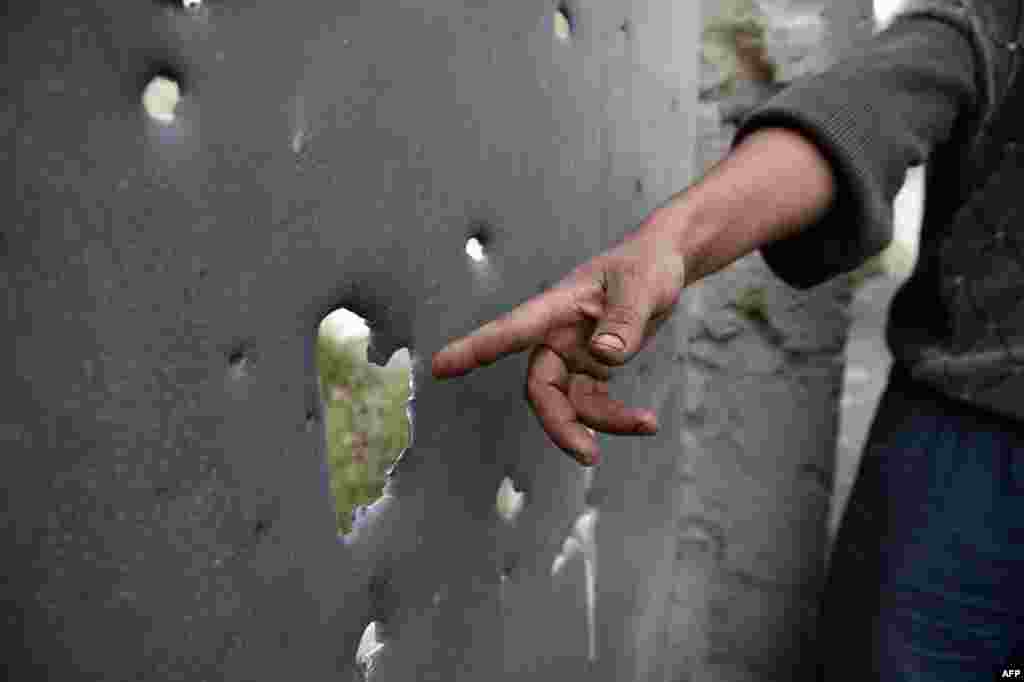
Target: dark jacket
{"x":940,"y":85}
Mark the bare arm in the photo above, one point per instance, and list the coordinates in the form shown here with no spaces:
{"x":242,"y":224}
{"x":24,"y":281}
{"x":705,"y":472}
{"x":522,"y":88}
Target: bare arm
{"x":771,"y":186}
{"x":814,"y":218}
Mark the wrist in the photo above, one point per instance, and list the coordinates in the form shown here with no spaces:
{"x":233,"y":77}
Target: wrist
{"x":687,"y":230}
{"x":768,"y":188}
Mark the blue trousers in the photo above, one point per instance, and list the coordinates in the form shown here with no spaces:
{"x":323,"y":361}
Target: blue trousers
{"x":926,"y":581}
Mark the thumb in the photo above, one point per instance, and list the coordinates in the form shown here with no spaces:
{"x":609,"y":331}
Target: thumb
{"x":620,"y":331}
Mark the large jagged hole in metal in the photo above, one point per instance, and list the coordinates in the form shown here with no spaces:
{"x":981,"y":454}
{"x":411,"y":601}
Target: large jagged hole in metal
{"x":365,"y":416}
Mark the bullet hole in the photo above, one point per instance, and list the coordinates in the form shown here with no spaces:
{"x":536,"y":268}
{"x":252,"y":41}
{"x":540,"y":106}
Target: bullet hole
{"x":626,"y":27}
{"x":160,"y":98}
{"x":369,"y":647}
{"x":475,"y":250}
{"x":884,"y":11}
{"x":564,"y":25}
{"x":238,"y":364}
{"x":638,"y":186}
{"x":509,"y":502}
{"x":260,"y":529}
{"x":480,"y":235}
{"x":365,"y":419}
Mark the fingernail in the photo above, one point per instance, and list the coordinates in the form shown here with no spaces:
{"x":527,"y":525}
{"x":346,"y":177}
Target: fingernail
{"x":610,"y":341}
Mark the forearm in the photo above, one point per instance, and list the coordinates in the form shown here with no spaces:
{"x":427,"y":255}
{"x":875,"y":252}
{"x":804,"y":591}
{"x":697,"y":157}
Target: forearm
{"x":872,"y":116}
{"x":770,"y":187}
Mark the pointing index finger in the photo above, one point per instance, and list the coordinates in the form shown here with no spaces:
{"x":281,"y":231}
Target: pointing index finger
{"x":514,"y":332}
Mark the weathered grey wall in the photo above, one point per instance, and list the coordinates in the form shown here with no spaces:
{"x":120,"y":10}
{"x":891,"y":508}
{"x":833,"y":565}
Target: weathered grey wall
{"x":166,"y":515}
{"x":761,"y":418}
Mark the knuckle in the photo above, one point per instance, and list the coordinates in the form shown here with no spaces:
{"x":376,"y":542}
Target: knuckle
{"x":623,"y":315}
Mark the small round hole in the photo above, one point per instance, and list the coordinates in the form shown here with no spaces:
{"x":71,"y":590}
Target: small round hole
{"x":238,"y":365}
{"x":509,"y":502}
{"x":884,"y":11}
{"x":160,"y":98}
{"x":563,"y":23}
{"x":475,"y":249}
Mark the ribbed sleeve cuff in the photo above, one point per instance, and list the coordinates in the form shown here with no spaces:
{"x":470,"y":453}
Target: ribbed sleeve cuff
{"x":858,"y":225}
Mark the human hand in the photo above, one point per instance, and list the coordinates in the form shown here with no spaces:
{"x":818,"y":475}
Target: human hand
{"x":627,"y":292}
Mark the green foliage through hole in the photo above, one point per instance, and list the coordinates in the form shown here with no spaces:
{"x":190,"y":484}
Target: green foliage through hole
{"x":366,"y":422}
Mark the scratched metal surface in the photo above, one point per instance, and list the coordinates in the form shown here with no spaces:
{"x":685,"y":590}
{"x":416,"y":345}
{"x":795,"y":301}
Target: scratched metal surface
{"x":166,"y":514}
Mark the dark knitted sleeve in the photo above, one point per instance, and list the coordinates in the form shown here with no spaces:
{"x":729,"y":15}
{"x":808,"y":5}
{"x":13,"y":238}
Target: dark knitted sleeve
{"x":872,"y":115}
